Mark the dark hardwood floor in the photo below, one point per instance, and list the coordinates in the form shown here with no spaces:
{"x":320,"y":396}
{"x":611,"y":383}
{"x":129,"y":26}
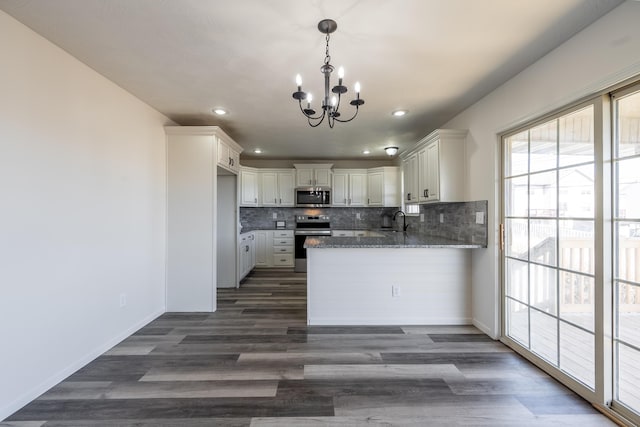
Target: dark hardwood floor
{"x":254,"y":362}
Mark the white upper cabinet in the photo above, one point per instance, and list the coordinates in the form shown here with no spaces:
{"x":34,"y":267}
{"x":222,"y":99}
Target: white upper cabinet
{"x":434,"y":170}
{"x":410,"y":178}
{"x":277,"y":187}
{"x":349,"y":187}
{"x":313,"y":174}
{"x":432,"y":186}
{"x":228,"y":155}
{"x":383,"y":187}
{"x":248,"y":186}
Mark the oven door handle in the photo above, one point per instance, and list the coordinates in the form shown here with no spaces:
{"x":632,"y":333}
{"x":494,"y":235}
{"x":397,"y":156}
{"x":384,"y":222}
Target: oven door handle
{"x":312,"y":233}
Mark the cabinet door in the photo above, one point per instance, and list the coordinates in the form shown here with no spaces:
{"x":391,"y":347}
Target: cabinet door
{"x":375,"y":189}
{"x":223,"y":154}
{"x":262,"y":243}
{"x":304,"y":177}
{"x":269,"y":188}
{"x":433,"y":171}
{"x":410,"y":173}
{"x":234,"y":160}
{"x":340,"y":189}
{"x":286,"y":188}
{"x":358,"y":189}
{"x":252,"y":251}
{"x":248,"y":188}
{"x":423,"y":176}
{"x":322,"y":177}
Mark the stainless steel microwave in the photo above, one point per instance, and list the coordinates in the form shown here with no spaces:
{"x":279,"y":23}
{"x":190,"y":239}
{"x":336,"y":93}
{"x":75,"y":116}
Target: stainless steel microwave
{"x":313,"y":197}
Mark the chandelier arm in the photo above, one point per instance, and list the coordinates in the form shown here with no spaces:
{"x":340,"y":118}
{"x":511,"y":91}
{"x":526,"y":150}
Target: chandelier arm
{"x":305,"y":114}
{"x":316,"y":118}
{"x":348,"y":120}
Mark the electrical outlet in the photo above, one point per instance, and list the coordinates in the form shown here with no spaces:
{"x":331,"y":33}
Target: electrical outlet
{"x":421,"y":217}
{"x":395,"y":291}
{"x":479,"y":217}
{"x":123,"y":300}
{"x":275,"y":215}
{"x":357,"y":215}
{"x":441,"y":217}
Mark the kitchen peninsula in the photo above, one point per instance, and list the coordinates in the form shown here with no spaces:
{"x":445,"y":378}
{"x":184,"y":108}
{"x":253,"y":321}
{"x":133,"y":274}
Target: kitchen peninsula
{"x":391,"y":278}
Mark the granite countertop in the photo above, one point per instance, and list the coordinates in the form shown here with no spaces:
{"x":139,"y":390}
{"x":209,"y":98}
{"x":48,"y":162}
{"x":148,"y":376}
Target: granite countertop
{"x":388,"y":239}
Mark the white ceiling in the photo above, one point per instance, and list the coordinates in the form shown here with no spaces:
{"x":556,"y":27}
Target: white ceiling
{"x":432,"y":57}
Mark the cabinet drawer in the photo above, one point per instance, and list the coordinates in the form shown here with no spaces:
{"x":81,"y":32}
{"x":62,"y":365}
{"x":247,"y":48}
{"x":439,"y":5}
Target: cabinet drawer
{"x":284,"y":260}
{"x":283,"y":241}
{"x":282,"y":250}
{"x":282,"y":233}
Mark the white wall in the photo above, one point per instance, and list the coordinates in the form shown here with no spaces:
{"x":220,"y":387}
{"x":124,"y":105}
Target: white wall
{"x":603,"y":54}
{"x":82,"y":214}
{"x":353,"y":286}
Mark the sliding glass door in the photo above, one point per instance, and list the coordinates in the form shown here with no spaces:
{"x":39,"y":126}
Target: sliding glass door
{"x":571,"y":247}
{"x":549,"y":262}
{"x":626,"y":268}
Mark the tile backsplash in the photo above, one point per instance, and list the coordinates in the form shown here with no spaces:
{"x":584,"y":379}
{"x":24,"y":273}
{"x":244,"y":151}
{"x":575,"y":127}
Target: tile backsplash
{"x":341,"y":218}
{"x":458,"y":219}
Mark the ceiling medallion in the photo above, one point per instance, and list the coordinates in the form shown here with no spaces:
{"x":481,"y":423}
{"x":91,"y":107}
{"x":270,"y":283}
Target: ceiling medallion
{"x":330,"y":105}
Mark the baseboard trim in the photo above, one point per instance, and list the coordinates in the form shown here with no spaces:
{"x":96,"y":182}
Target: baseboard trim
{"x":54,"y":379}
{"x":484,"y":328}
{"x":400,"y":321}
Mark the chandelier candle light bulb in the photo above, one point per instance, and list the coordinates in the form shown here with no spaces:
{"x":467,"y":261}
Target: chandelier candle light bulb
{"x":331,"y":106}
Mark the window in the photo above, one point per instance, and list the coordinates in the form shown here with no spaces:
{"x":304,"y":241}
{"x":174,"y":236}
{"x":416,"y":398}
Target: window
{"x":549,"y":229}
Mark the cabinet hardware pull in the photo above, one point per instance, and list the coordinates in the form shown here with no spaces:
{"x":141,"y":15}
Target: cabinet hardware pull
{"x":502,"y":237}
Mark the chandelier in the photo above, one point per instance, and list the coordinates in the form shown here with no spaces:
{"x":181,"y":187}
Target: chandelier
{"x":330,"y":103}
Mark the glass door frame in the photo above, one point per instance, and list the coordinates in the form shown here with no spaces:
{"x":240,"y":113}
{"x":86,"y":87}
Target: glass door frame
{"x":602,"y":393}
{"x":617,"y":406}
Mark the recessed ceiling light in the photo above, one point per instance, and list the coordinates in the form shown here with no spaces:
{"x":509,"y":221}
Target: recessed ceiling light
{"x":366,"y":152}
{"x":257,"y":151}
{"x":399,"y":113}
{"x":220,"y":111}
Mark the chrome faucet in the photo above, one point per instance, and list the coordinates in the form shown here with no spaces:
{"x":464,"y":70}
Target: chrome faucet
{"x":404,"y":221}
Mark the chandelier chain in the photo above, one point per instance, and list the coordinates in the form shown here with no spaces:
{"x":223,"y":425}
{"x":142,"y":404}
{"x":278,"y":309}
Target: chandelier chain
{"x":327,"y":57}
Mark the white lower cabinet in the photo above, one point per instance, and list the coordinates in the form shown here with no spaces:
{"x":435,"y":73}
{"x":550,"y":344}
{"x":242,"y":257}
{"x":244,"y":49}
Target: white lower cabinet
{"x":262,"y":247}
{"x":274,"y":248}
{"x":246,"y":254}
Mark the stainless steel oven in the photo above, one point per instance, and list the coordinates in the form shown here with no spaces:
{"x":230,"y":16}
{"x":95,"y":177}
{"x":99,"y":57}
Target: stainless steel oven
{"x":313,"y":197}
{"x":308,"y":226}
